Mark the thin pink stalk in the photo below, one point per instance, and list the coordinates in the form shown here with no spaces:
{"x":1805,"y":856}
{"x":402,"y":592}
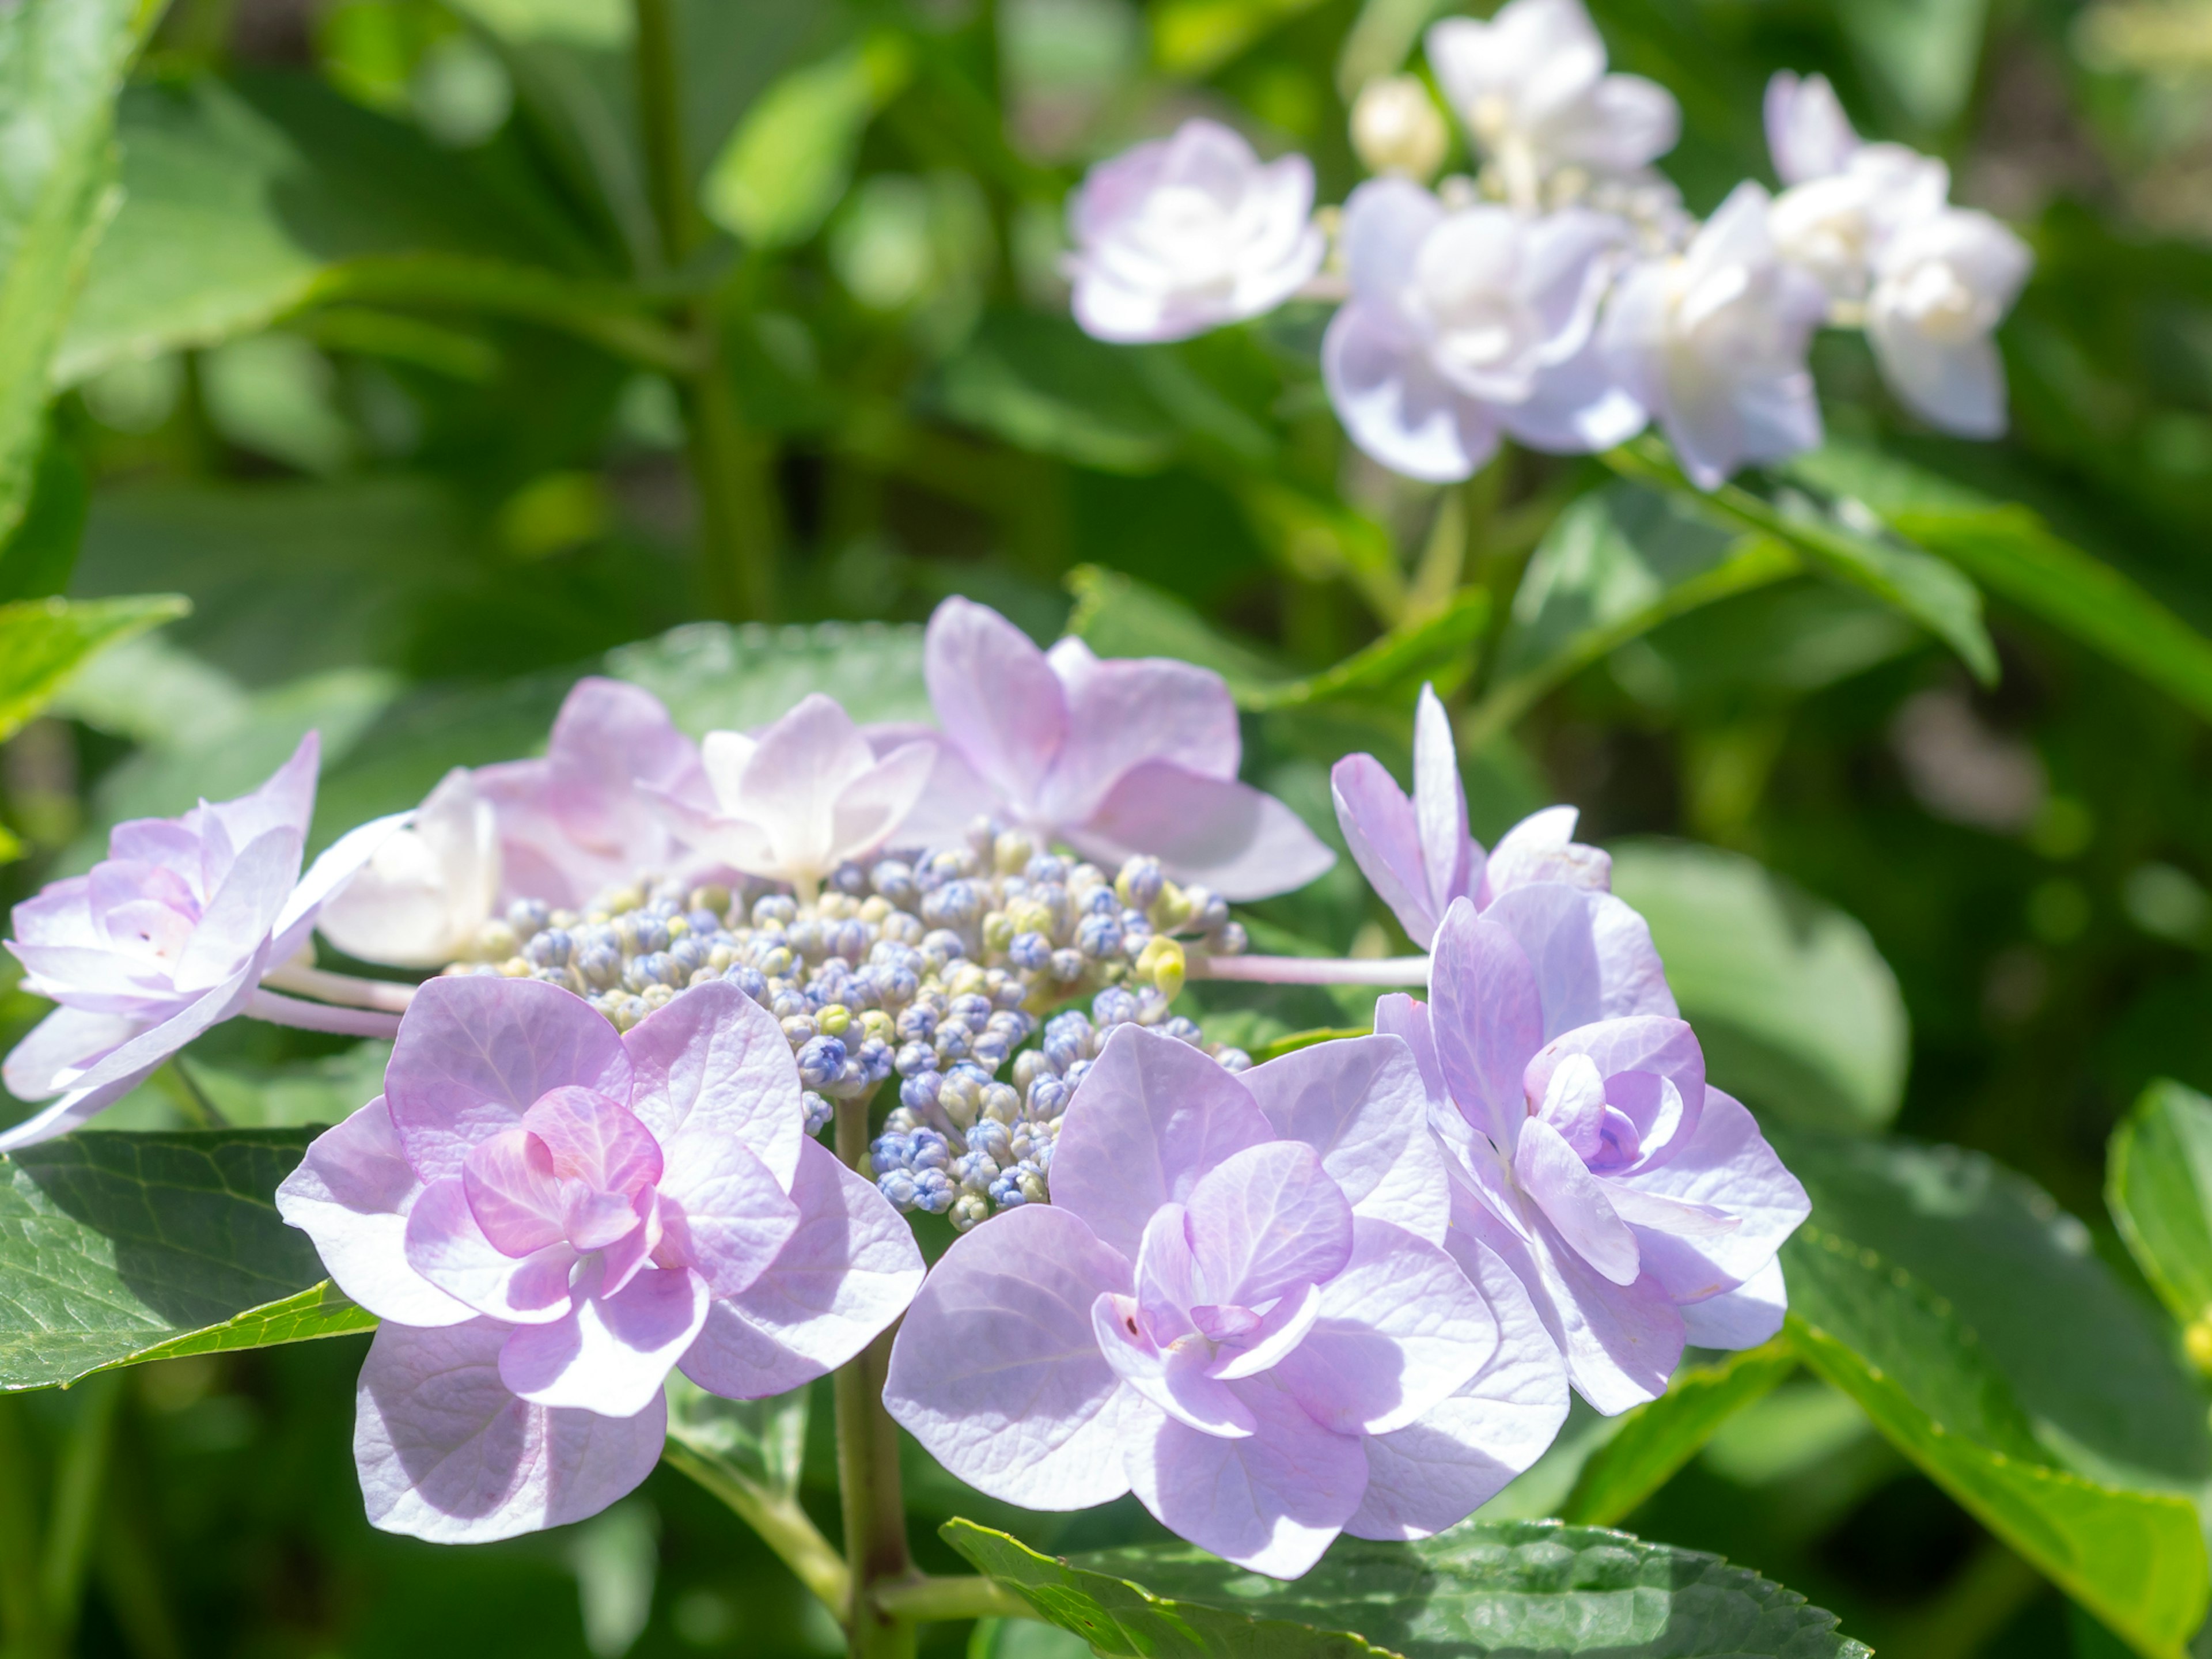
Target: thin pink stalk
{"x":355,"y":993}
{"x":320,"y":1017}
{"x":1312,"y":970}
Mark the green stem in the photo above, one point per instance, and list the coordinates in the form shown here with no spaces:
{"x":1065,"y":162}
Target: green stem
{"x":193,"y":1100}
{"x":22,"y":1603}
{"x":660,"y":112}
{"x":868,"y":1470}
{"x":781,"y":1522}
{"x":945,"y":1600}
{"x":80,"y":1479}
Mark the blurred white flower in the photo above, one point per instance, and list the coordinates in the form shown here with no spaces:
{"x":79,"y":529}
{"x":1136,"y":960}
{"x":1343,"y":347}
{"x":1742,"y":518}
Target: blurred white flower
{"x":1712,"y":342}
{"x":1941,"y":287}
{"x":1807,"y":133}
{"x":1463,"y":325}
{"x":1185,"y":234}
{"x":1532,"y":87}
{"x":1396,"y":128}
{"x":421,"y":898}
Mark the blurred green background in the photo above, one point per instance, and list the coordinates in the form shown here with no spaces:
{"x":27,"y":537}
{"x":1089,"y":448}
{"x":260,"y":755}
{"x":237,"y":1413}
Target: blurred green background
{"x":411,"y":502}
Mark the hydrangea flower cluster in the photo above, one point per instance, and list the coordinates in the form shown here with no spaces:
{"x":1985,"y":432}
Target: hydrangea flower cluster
{"x":1562,"y":296}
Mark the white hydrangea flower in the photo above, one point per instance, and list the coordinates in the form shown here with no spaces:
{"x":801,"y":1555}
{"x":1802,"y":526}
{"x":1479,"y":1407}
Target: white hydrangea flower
{"x":421,"y":898}
{"x":1713,"y":342}
{"x":1532,"y":87}
{"x":1941,"y":287}
{"x":1186,"y":233}
{"x":1807,"y":133}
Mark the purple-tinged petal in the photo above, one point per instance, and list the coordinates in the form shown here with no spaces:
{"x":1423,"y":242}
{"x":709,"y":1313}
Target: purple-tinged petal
{"x":1807,"y":134}
{"x":725,"y":1215}
{"x":1167,"y":1275}
{"x":996,"y":1371}
{"x":1407,"y":1018}
{"x":612,"y":1353}
{"x":282,"y":804}
{"x":1153,"y":1115}
{"x":594,"y":1140}
{"x":1542,"y":848}
{"x":1591,"y":955}
{"x":1488,"y":1019}
{"x":475,"y":1053}
{"x":67,"y":1042}
{"x":1394,"y":405}
{"x":1263,"y":1347}
{"x":950,"y":795}
{"x":1741,"y":1318}
{"x":1436,"y":1472}
{"x":1174,"y":1379}
{"x":1267,"y":1220}
{"x":1123,"y":713}
{"x":238,"y":917}
{"x":1362,"y":1103}
{"x":1448,"y":851}
{"x":1271,"y":1502}
{"x":849,"y":1270}
{"x":1571,"y":1099}
{"x":714,"y":1063}
{"x":869,"y":810}
{"x":997,"y":698}
{"x":447,"y":1452}
{"x":1574,"y":1202}
{"x":352,"y":1194}
{"x":1239,"y":843}
{"x":1401,"y":1330}
{"x":1636,"y":1054}
{"x":1385,"y":222}
{"x":625,"y":1254}
{"x":1379,"y":827}
{"x":514,"y":1192}
{"x":446,"y":1245}
{"x":1729,"y":1167}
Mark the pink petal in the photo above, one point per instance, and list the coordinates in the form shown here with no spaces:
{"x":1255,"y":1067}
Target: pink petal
{"x":998,"y":700}
{"x":238,"y":918}
{"x":1743,"y":1317}
{"x":1380,"y":829}
{"x":66,"y":1042}
{"x":352,"y":1194}
{"x":1401,"y":1329}
{"x":1563,"y":1187}
{"x":1174,"y":1379}
{"x":1271,"y":1502}
{"x":725,"y":1215}
{"x":997,"y":1370}
{"x":1267,"y":1220}
{"x":446,"y":1245}
{"x":594,"y":1140}
{"x":714,"y":1063}
{"x":515,"y":1193}
{"x":1440,"y":806}
{"x":475,"y":1053}
{"x":1361,"y":1103}
{"x":1152,"y":1117}
{"x":447,"y":1453}
{"x":1542,"y":848}
{"x":1123,"y":713}
{"x":849,"y":1270}
{"x":1241,"y":843}
{"x":1265,"y":1345}
{"x":612,"y":1353}
{"x":1727,"y":1167}
{"x":793,"y":777}
{"x":873,"y":806}
{"x":1437,"y":1471}
{"x":1488,"y":1019}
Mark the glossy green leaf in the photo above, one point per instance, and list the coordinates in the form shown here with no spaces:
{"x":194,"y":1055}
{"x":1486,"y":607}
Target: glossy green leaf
{"x":1929,"y":592}
{"x":1040,"y":384}
{"x":2011,"y":551}
{"x":43,"y":641}
{"x":1797,"y":1012}
{"x":713,"y":677}
{"x":2157,"y":1184}
{"x":118,"y":1246}
{"x":1657,"y":1439}
{"x":61,"y":62}
{"x":1483,"y":1588}
{"x":36,"y":561}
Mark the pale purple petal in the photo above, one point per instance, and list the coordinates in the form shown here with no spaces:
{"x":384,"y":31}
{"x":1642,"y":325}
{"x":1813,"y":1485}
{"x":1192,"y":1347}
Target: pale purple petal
{"x":350,"y":1194}
{"x":1574,"y":1202}
{"x":1407,"y":1019}
{"x":1728,"y":1166}
{"x":514,"y":1193}
{"x":1440,"y":805}
{"x":849,"y":1270}
{"x":1264,"y":1345}
{"x":1488,"y":1019}
{"x":446,"y":1244}
{"x":1652,"y":1045}
{"x":1361,"y":1102}
{"x":1175,"y":1380}
{"x":612,"y":1353}
{"x":475,"y":1053}
{"x":1379,"y":827}
{"x":1591,"y":954}
{"x":447,"y":1453}
{"x":337,"y":865}
{"x":713,"y":1062}
{"x":1394,"y":405}
{"x":725,"y":1215}
{"x":1121,"y":714}
{"x":67,"y":1042}
{"x":1437,"y":1471}
{"x":1542,"y":848}
{"x":1239,"y":843}
{"x":282,"y":804}
{"x":1152,"y":1117}
{"x":237,"y":920}
{"x":873,"y":806}
{"x":595,"y":1140}
{"x":1271,"y":1502}
{"x":948,"y":798}
{"x":1807,"y":134}
{"x":998,"y":700}
{"x":1741,"y":1318}
{"x":1267,"y":1220}
{"x":996,"y":1371}
{"x":1385,"y":222}
{"x":1401,"y":1330}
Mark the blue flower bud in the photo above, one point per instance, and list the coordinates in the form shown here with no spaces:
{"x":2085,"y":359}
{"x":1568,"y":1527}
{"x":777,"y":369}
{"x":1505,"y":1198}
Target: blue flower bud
{"x":528,"y":916}
{"x":549,"y":949}
{"x":990,"y":1137}
{"x":687,"y":953}
{"x":1066,"y":966}
{"x":820,"y":1061}
{"x":818,"y":1112}
{"x":895,"y":881}
{"x":1030,"y":952}
{"x":1047,"y":1096}
{"x":943,"y":946}
{"x":748,"y":980}
{"x":991,"y":1049}
{"x":919,"y":1089}
{"x":1234,"y":1060}
{"x":651,"y":934}
{"x":789,"y":1004}
{"x":849,"y":878}
{"x":600,"y":967}
{"x":1113,"y":1007}
{"x":777,"y":910}
{"x":1139,"y":882}
{"x":1100,"y":902}
{"x":975,"y":1011}
{"x":899,"y":1189}
{"x":1043,"y":866}
{"x":889,"y":1151}
{"x":875,"y":1057}
{"x":1182,"y":1030}
{"x":1230,"y":941}
{"x":1074,"y":1075}
{"x":804,"y":936}
{"x":974,"y":1172}
{"x":1099,"y":935}
{"x":934,"y":1192}
{"x":914,"y":1058}
{"x":953,"y":1041}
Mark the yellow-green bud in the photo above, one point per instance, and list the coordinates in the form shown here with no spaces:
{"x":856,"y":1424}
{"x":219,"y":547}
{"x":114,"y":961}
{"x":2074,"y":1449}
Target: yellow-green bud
{"x":1161,"y":961}
{"x":1170,"y":909}
{"x":879,"y":1025}
{"x":1397,"y":128}
{"x":833,"y":1019}
{"x":1011,"y":852}
{"x":998,"y":931}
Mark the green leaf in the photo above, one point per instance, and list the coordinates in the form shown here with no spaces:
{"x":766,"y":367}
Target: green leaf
{"x":117,"y":1247}
{"x":2157,"y":1184}
{"x":716,"y":678}
{"x":61,"y":62}
{"x":1510,"y":1586}
{"x":2011,"y":551}
{"x":1040,"y":384}
{"x":1615,"y":565}
{"x":1657,"y":1439}
{"x":36,"y":561}
{"x":1796,"y":1008}
{"x":43,"y":641}
{"x":748,"y":1453}
{"x":791,"y":158}
{"x":1924,"y":52}
{"x":1927,"y":590}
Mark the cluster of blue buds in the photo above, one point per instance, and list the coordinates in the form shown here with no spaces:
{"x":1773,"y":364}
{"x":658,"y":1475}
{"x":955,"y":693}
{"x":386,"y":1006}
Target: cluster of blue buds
{"x":933,"y":966}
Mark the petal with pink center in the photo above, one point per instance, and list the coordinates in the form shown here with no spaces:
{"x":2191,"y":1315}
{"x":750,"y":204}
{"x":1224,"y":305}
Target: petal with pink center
{"x":446,"y":1245}
{"x":1267,"y":1220}
{"x":725,"y":1215}
{"x":997,"y":698}
{"x":1227,"y":835}
{"x":1636,"y":1055}
{"x":715,"y":1063}
{"x":1263,"y":1346}
{"x":1487,"y":1017}
{"x":475,"y":1053}
{"x":997,"y":1369}
{"x":1153,"y":1115}
{"x":1173,"y":1378}
{"x":849,"y":1270}
{"x":1362,"y":1104}
{"x":514,"y":1192}
{"x":447,"y":1452}
{"x":352,"y":1194}
{"x":612,"y":1353}
{"x":594,"y":1140}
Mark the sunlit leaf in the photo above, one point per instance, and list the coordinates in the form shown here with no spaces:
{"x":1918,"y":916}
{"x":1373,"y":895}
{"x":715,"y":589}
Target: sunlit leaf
{"x":2158,"y":1182}
{"x":1657,"y":1439}
{"x":43,"y":641}
{"x":713,"y":677}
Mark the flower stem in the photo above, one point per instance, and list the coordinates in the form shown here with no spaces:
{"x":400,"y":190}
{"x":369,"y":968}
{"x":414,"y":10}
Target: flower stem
{"x":353,"y":992}
{"x":320,"y":1017}
{"x":1312,"y":970}
{"x":867,"y":1468}
{"x":779,"y":1520}
{"x":945,"y":1600}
